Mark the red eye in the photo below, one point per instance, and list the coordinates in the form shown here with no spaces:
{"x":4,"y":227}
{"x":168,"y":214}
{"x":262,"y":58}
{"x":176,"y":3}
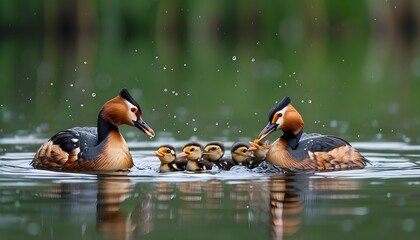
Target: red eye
{"x":280,"y":115}
{"x":133,"y":109}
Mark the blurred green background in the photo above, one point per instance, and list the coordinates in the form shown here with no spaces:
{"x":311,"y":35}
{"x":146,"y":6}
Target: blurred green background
{"x":213,"y":69}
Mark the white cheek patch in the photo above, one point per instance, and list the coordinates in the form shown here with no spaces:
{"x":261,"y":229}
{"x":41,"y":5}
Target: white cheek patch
{"x":130,"y":114}
{"x":280,"y":120}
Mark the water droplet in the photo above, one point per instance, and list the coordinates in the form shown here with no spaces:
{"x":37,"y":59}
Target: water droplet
{"x":252,"y":59}
{"x":165,"y":90}
{"x":234,"y":58}
{"x":93,"y":94}
{"x":83,"y":90}
{"x":81,"y":105}
{"x":135,"y":50}
{"x":193,"y":119}
{"x":185,"y":64}
{"x":85,"y":62}
{"x":51,"y":84}
{"x":216,"y":123}
{"x":303,"y":101}
{"x":195,"y":129}
{"x":333,"y":123}
{"x":309,"y":101}
{"x":164,"y":68}
{"x":156,"y":57}
{"x":71,"y":85}
{"x":174,"y":116}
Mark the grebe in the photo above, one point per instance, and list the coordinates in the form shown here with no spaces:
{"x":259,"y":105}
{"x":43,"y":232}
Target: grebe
{"x":297,"y":150}
{"x":95,"y":149}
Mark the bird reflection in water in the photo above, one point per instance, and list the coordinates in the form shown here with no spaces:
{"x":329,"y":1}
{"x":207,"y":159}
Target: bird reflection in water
{"x":294,"y":197}
{"x":112,"y":222}
{"x":125,"y":210}
{"x":286,"y":204}
{"x":106,"y":195}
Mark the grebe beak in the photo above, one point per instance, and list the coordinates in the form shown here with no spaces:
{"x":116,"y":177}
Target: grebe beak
{"x":159,"y":154}
{"x":271,"y":127}
{"x":182,"y":155}
{"x":142,"y":125}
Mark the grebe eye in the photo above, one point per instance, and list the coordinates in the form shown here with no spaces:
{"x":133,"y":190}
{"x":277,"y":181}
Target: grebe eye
{"x":133,"y":109}
{"x":280,"y":115}
{"x":244,"y":150}
{"x":192,"y":149}
{"x":168,"y":151}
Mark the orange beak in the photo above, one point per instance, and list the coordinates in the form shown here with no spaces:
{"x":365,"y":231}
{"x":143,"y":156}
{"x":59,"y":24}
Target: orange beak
{"x":159,"y":154}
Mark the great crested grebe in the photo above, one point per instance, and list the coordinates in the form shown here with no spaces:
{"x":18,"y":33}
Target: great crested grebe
{"x":95,"y":149}
{"x":298,"y":150}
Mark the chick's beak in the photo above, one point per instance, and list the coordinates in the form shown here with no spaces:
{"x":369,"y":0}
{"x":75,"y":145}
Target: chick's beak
{"x":182,"y":155}
{"x":252,"y":148}
{"x":271,"y":127}
{"x":142,"y":125}
{"x":159,"y":154}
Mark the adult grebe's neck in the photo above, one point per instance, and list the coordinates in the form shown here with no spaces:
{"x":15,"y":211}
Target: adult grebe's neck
{"x":292,"y":139}
{"x":104,"y":128}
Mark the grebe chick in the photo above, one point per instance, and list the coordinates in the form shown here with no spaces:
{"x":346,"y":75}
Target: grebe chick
{"x":168,"y":160}
{"x":193,"y":153}
{"x":241,"y":154}
{"x":260,"y":150}
{"x":296,"y":150}
{"x":95,"y":149}
{"x":214,"y":152}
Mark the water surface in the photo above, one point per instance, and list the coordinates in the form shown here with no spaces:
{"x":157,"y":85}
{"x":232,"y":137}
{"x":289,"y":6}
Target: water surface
{"x":381,"y":201}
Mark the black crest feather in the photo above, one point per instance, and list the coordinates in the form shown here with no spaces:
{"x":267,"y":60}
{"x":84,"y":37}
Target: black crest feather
{"x":282,"y":104}
{"x":126,"y":95}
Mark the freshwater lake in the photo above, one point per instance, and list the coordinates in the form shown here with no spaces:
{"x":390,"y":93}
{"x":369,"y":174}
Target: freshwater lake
{"x":210,"y":71}
{"x":381,"y":201}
